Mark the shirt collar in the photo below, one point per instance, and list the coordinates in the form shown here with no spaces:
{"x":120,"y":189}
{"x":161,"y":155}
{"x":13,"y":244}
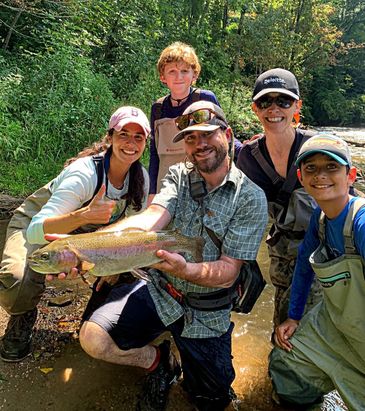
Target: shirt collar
{"x":233,"y":176}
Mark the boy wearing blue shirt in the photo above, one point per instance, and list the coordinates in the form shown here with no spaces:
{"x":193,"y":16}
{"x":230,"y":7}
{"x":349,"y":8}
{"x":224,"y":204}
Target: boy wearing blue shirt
{"x":325,"y":349}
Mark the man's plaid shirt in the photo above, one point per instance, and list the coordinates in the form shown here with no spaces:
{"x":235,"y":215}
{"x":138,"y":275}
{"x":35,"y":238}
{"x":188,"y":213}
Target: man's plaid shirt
{"x":236,"y":212}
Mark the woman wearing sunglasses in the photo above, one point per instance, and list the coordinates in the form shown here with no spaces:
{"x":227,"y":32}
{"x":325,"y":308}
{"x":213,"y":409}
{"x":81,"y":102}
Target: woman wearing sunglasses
{"x":269,"y":161}
{"x":104,"y":183}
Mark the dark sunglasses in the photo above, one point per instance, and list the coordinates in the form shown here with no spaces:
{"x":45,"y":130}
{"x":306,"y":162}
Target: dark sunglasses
{"x":204,"y":115}
{"x":281,"y":101}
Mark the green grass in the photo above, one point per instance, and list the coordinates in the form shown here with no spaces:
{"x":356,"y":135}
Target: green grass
{"x":22,"y":179}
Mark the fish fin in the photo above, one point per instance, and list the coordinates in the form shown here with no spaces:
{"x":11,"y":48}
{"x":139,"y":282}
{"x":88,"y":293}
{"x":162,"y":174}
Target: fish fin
{"x":79,"y":255}
{"x":140,"y":274}
{"x":86,"y":266}
{"x":198,"y":250}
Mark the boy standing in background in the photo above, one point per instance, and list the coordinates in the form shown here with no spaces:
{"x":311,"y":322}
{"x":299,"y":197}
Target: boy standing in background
{"x":179,"y":69}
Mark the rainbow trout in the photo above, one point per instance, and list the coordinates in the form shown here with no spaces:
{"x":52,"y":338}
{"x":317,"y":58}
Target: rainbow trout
{"x":107,"y":253}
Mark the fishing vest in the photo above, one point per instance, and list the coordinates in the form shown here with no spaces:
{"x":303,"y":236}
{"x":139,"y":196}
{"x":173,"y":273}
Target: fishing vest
{"x":292,"y":208}
{"x":169,"y":153}
{"x":343,"y":281}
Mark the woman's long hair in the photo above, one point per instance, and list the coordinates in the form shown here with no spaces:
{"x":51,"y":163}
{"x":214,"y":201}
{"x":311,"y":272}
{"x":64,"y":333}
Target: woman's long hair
{"x":136,"y":177}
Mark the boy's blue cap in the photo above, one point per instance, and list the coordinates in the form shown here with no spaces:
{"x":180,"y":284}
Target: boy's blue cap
{"x":328,"y":144}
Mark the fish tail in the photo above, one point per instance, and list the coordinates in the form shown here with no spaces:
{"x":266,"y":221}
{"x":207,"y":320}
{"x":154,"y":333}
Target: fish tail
{"x":198,"y":249}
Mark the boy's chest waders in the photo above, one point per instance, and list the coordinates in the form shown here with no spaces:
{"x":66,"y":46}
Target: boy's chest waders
{"x":343,"y":282}
{"x":169,"y":153}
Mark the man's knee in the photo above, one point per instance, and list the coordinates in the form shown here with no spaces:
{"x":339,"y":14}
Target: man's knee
{"x":93,"y":339}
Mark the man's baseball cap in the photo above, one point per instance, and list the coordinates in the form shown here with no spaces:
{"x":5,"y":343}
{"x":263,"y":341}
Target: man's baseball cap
{"x":128,"y":114}
{"x":215,"y":118}
{"x":276,"y":80}
{"x":328,"y":144}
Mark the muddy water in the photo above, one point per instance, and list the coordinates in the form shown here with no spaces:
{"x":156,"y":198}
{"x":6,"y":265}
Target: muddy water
{"x":251,"y":346}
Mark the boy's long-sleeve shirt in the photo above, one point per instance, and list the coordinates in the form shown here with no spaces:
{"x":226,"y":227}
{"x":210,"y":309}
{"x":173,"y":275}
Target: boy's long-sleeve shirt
{"x":303,"y":274}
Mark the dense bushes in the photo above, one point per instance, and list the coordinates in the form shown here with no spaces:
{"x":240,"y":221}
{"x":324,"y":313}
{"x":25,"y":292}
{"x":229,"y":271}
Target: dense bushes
{"x":51,"y":106}
{"x":64,"y":66}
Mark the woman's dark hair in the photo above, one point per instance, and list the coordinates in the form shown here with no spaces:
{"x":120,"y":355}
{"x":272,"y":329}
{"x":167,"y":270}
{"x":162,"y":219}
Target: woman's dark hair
{"x":136,"y":178}
{"x":136,"y":186}
{"x":96,"y":148}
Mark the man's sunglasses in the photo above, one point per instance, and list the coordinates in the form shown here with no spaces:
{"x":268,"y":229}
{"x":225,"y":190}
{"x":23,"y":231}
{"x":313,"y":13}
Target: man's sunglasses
{"x":197,"y":117}
{"x":281,"y":101}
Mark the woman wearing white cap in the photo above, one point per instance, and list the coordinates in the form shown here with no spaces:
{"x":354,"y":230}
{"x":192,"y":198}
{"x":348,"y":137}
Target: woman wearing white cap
{"x":105,"y":182}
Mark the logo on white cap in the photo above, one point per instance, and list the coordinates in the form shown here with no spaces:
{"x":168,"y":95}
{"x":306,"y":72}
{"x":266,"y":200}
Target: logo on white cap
{"x":274,"y":80}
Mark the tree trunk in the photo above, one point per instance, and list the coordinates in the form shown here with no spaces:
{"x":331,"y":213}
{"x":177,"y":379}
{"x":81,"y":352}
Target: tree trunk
{"x":11,"y":29}
{"x":295,"y":28}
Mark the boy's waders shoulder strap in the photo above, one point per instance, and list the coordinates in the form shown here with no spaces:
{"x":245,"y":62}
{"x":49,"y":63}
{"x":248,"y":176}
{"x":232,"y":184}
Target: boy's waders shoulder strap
{"x":157,"y":105}
{"x":321,"y":226}
{"x":196,"y":95}
{"x":347,"y":228}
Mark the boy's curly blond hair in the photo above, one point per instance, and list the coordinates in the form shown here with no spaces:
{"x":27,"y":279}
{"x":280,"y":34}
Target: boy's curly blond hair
{"x":179,"y":52}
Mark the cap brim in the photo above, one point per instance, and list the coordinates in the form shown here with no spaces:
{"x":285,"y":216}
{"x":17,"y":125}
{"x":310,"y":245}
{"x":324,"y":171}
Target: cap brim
{"x":336,"y":157}
{"x":275,"y":90}
{"x":196,"y":127}
{"x":126,"y":121}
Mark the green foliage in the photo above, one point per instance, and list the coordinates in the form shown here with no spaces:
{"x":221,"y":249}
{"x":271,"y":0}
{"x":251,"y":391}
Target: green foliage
{"x":236,"y":104}
{"x":66,"y":64}
{"x":53,"y":105}
{"x":59,"y":105}
{"x":21,"y":178}
{"x":331,"y":100}
{"x":11,"y":144}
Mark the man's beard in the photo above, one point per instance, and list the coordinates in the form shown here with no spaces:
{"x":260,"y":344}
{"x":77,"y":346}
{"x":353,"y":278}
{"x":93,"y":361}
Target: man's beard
{"x":210,"y":165}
